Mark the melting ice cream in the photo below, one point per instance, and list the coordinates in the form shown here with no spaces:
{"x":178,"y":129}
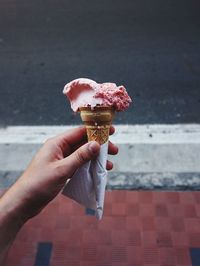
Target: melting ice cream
{"x":85,"y":92}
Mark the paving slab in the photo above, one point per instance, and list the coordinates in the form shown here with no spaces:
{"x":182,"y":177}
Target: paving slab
{"x":150,"y":156}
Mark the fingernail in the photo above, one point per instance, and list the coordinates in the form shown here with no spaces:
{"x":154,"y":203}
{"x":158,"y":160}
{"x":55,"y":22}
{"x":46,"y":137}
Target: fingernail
{"x":93,"y":147}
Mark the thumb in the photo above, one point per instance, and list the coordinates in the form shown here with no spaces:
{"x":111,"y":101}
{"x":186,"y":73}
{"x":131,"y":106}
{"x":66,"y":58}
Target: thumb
{"x":78,"y":158}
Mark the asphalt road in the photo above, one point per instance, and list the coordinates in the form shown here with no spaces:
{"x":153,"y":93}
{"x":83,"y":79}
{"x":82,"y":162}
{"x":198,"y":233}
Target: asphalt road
{"x":152,"y":47}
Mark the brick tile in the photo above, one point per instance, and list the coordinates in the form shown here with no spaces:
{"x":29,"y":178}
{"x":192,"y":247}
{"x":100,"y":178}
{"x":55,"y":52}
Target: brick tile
{"x":196,"y":195}
{"x":145,"y":197}
{"x":104,"y":237}
{"x":187,"y":197}
{"x":197,"y":209}
{"x":179,"y":239}
{"x":106,"y":223}
{"x":118,"y":264}
{"x":75,"y":236}
{"x":149,"y":239}
{"x":60,"y":250}
{"x":89,"y":253}
{"x":162,"y":224}
{"x":148,"y":223}
{"x":161,"y":210}
{"x":151,"y":255}
{"x":159,"y":197}
{"x":89,"y":237}
{"x":175,"y":210}
{"x":133,"y":223}
{"x":29,"y":234}
{"x":183,"y":265}
{"x":194,"y":239}
{"x":65,"y":209}
{"x":135,"y":255}
{"x":26,"y":261}
{"x":192,"y":225}
{"x":13,"y":261}
{"x":101,"y":263}
{"x":91,"y":222}
{"x":138,"y":228}
{"x":155,"y":264}
{"x":132,"y":209}
{"x":146,"y":210}
{"x":119,"y":237}
{"x":51,"y":209}
{"x":167,"y":257}
{"x":189,"y":211}
{"x":62,"y":222}
{"x":88,"y":263}
{"x":134,"y":238}
{"x":56,"y":262}
{"x":164,"y":239}
{"x":37,"y":222}
{"x":63,"y":199}
{"x":119,"y":223}
{"x":182,"y":256}
{"x":16,"y":250}
{"x":177,"y":224}
{"x":78,"y":222}
{"x":118,"y":209}
{"x":109,"y":197}
{"x":73,"y":254}
{"x":119,"y":196}
{"x":107,"y":209}
{"x":172,"y":197}
{"x":57,"y":235}
{"x":48,"y":219}
{"x":77,"y":209}
{"x":135,"y":264}
{"x":19,"y":248}
{"x":119,"y":254}
{"x":70,"y":262}
{"x":47,"y":235}
{"x":132,"y":197}
{"x":104,"y":254}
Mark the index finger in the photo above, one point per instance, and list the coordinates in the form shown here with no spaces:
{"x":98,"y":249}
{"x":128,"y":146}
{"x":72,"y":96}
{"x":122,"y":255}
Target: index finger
{"x":71,"y":137}
{"x":75,"y":136}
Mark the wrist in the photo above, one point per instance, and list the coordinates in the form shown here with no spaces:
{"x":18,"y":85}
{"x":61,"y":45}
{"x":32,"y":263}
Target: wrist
{"x":11,"y":222}
{"x":10,"y":212}
{"x":12,"y":207}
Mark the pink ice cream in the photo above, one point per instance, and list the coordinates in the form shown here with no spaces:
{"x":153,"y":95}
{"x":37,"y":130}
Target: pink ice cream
{"x":85,"y":92}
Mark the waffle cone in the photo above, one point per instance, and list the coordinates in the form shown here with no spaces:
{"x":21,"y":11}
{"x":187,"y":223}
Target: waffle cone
{"x":97,"y":121}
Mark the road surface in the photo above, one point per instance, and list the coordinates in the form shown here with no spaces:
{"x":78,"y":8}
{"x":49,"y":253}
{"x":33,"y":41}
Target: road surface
{"x":152,"y":47}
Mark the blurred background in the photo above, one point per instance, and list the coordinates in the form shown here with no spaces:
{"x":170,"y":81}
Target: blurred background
{"x":151,"y":47}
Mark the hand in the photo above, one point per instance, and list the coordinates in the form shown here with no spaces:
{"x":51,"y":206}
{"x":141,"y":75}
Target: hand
{"x":56,"y":161}
{"x":46,"y":175}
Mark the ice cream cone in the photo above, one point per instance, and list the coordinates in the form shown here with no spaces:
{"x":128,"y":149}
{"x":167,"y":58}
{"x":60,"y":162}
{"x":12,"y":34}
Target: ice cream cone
{"x":97,"y":121}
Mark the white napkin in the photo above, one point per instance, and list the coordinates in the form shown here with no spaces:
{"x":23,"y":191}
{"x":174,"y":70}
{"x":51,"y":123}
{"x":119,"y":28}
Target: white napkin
{"x":87,"y":186}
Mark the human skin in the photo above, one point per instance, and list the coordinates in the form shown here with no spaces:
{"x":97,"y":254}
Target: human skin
{"x":44,"y":178}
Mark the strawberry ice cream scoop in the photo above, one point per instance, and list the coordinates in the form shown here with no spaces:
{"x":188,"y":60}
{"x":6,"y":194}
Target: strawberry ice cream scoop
{"x":85,"y":92}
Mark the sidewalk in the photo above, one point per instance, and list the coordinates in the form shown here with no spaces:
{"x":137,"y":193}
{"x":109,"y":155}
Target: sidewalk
{"x":139,"y":228}
{"x":150,"y":156}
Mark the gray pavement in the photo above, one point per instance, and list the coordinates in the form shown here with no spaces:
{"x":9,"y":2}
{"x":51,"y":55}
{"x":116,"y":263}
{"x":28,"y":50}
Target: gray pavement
{"x":150,"y":157}
{"x":152,"y":47}
{"x":131,"y":181}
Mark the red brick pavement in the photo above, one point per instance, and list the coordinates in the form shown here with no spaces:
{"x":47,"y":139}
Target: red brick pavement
{"x":139,"y":228}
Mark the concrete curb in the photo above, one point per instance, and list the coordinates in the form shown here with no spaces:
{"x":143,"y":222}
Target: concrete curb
{"x":146,"y":152}
{"x":131,"y":181}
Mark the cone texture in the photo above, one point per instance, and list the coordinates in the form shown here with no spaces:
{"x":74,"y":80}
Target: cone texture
{"x":97,"y":121}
